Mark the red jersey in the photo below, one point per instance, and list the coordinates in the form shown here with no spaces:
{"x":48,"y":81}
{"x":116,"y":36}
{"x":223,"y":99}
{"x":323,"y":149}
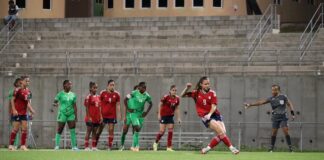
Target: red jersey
{"x":169,"y":104}
{"x":22,"y":97}
{"x":204,"y":101}
{"x":108,"y":103}
{"x":92,"y":102}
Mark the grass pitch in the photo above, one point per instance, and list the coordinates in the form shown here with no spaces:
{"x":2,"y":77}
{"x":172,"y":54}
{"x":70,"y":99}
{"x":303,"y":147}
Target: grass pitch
{"x":151,"y":155}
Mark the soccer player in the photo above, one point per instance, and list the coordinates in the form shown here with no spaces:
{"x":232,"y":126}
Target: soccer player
{"x":125,"y":126}
{"x":110,"y":106}
{"x":135,"y":111}
{"x":20,"y":104}
{"x":16,"y":85}
{"x":279,"y":103}
{"x":206,"y":107}
{"x":66,"y":100}
{"x":93,"y":117}
{"x":168,"y":106}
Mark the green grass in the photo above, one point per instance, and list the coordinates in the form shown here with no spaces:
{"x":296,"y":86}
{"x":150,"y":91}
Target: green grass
{"x":150,"y":155}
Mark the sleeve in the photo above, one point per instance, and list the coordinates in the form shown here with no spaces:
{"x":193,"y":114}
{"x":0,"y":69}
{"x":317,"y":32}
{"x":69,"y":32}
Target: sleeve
{"x":16,"y":93}
{"x":268,"y":99}
{"x":10,"y":95}
{"x":164,"y":98}
{"x":285,"y":99}
{"x":57,"y":97}
{"x":86,"y":101}
{"x":214,"y":99}
{"x":30,"y":95}
{"x":149,"y":98}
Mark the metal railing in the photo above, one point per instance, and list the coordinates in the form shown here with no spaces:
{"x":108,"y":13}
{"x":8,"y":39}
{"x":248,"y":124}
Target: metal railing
{"x":310,"y":32}
{"x":268,"y":22}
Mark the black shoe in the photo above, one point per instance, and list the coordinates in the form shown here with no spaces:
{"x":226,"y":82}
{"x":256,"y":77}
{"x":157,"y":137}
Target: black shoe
{"x":270,"y":149}
{"x":290,"y":149}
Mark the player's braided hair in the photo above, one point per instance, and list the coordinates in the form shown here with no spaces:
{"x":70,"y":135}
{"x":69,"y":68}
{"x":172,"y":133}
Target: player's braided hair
{"x":66,"y":81}
{"x":198,"y":86}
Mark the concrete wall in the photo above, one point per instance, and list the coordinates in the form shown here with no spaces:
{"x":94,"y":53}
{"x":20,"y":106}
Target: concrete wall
{"x":305,"y":93}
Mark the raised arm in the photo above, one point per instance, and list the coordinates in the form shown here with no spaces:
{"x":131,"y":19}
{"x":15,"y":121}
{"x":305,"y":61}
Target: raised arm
{"x":185,"y":91}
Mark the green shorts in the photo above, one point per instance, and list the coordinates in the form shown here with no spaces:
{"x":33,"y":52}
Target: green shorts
{"x":61,"y":117}
{"x":134,"y":119}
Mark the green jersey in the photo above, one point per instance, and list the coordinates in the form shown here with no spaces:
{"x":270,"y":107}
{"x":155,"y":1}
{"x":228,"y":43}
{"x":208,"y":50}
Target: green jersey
{"x":11,"y":93}
{"x":66,"y":101}
{"x":137,"y":100}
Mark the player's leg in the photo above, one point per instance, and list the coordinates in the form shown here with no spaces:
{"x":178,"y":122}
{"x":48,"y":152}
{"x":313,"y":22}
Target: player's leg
{"x":284,"y":126}
{"x":274,"y":131}
{"x":71,"y":123}
{"x":159,"y":135}
{"x":137,"y":127}
{"x":23,"y":137}
{"x":99,"y":131}
{"x":111,"y":128}
{"x":60,"y":128}
{"x":95,"y":127}
{"x":170,"y":135}
{"x":123,"y":136}
{"x":14,"y":130}
{"x":87,"y":135}
{"x":223,"y":137}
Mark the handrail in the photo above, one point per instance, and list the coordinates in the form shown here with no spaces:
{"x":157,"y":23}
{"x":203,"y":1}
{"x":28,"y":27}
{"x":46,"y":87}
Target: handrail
{"x":311,"y":30}
{"x":266,"y":22}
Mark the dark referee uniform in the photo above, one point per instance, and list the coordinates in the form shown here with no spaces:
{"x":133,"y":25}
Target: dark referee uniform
{"x":279,"y":114}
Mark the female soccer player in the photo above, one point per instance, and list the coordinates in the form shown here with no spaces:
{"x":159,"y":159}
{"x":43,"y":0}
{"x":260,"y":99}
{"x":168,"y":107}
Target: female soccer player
{"x":93,"y":117}
{"x":279,"y":117}
{"x":110,"y":102}
{"x":206,"y":107}
{"x":66,"y":100}
{"x":135,"y":103}
{"x":168,"y":106}
{"x":20,"y":103}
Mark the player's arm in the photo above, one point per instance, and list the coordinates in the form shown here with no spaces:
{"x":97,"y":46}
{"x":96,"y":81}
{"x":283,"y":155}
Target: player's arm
{"x":119,"y":114}
{"x":159,"y":111}
{"x":185,"y":92}
{"x":55,"y":103}
{"x":257,"y":103}
{"x":30,"y":108}
{"x":75,"y":111}
{"x":212,"y":110}
{"x":14,"y":110}
{"x":86,"y":104}
{"x":291,"y":108}
{"x":125,"y":106}
{"x":177,"y":113}
{"x":148,"y":109}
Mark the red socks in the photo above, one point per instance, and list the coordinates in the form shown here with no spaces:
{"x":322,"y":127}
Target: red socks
{"x":110,"y":140}
{"x":23,"y":137}
{"x":170,"y":134}
{"x":225,"y":139}
{"x":12,"y":137}
{"x":158,"y":137}
{"x":214,"y":142}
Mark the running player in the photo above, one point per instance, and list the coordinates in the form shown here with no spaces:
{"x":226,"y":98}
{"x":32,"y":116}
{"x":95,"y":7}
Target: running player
{"x":206,"y":107}
{"x":279,"y":103}
{"x":110,"y":102}
{"x":66,"y":100}
{"x":93,"y":117}
{"x":168,"y":106}
{"x":135,"y":111}
{"x":20,"y":103}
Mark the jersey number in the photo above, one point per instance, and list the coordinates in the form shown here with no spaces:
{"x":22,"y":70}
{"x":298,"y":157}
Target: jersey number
{"x":204,"y":102}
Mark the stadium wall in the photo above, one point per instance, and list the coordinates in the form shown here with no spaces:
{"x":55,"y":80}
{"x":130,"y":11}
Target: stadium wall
{"x":305,"y":92}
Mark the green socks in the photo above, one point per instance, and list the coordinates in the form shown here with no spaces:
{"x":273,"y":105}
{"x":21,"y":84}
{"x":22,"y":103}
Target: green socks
{"x":73,"y":137}
{"x":57,"y":140}
{"x":135,"y":139}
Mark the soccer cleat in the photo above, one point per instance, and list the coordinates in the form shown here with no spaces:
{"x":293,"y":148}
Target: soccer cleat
{"x":290,"y":149}
{"x":121,"y":148}
{"x":56,"y":148}
{"x":136,"y":149}
{"x":234,"y":150}
{"x":87,"y":149}
{"x":205,"y":150}
{"x":24,"y":148}
{"x":270,"y":149}
{"x":108,"y":149}
{"x":11,"y":148}
{"x":75,"y":149}
{"x":95,"y":149}
{"x":169,"y":149}
{"x":132,"y":148}
{"x":155,"y":146}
